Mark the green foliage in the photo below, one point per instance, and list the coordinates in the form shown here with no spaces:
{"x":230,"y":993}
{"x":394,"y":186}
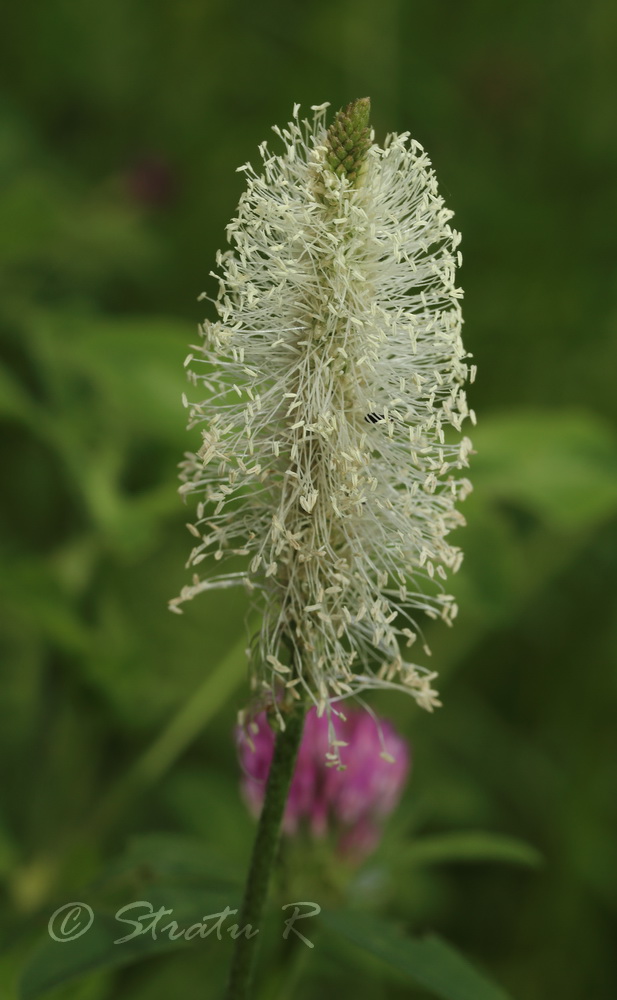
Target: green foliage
{"x":469,"y":846}
{"x":427,"y":962}
{"x":172,"y":874}
{"x":120,"y":128}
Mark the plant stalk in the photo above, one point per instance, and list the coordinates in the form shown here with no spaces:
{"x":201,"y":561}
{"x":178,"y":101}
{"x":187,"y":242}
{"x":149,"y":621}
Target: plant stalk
{"x":264,"y":856}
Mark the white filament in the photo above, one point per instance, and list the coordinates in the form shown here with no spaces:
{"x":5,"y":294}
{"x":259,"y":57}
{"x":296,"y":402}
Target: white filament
{"x":337,"y":303}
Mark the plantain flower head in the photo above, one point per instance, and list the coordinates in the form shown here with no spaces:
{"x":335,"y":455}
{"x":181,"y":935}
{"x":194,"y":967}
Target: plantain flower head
{"x":331,"y":410}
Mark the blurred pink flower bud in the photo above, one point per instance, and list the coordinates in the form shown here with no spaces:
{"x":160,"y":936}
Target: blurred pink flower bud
{"x":350,"y":802}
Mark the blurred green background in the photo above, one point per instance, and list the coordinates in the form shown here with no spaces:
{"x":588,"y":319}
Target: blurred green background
{"x":121,"y":125}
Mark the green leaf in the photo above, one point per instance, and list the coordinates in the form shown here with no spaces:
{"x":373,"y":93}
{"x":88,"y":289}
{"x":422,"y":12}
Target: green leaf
{"x":134,"y":364}
{"x":178,"y":858}
{"x":561,"y":465}
{"x":41,"y":607}
{"x":471,"y":846}
{"x":165,"y":870}
{"x":428,"y":961}
{"x":543,"y":482}
{"x":201,"y":803}
{"x":56,"y":962}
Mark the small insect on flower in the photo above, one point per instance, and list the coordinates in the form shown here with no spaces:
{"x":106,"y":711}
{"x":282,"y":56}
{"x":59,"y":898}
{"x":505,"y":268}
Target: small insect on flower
{"x":337,"y":308}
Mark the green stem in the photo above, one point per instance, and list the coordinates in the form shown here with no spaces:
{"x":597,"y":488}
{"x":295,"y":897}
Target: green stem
{"x":182,"y":729}
{"x":264,"y":855}
{"x":40,"y":876}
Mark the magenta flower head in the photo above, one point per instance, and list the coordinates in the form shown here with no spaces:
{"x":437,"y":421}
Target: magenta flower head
{"x":349,"y":801}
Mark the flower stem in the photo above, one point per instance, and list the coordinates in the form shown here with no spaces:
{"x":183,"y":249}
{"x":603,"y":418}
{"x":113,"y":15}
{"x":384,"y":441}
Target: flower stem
{"x":264,"y":854}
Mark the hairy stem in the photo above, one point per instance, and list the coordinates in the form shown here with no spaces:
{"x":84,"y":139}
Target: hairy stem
{"x":264,"y":855}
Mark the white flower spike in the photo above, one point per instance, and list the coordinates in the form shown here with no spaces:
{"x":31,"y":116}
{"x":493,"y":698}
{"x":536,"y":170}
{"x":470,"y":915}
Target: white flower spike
{"x":328,"y":473}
